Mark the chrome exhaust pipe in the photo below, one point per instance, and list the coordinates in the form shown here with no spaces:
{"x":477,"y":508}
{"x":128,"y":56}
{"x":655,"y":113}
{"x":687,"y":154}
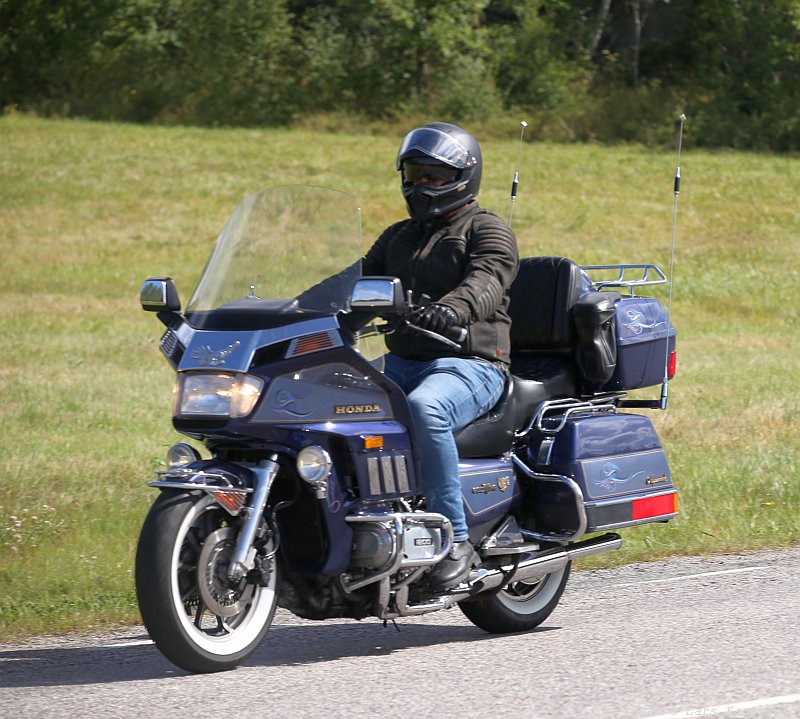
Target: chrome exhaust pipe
{"x":485,"y":579}
{"x":541,"y":565}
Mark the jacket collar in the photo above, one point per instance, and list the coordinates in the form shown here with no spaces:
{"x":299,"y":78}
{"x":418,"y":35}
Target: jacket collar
{"x":432,"y":226}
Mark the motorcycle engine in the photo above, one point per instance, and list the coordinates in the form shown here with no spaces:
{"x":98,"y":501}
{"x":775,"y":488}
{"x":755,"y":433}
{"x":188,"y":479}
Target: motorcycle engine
{"x":373,"y":544}
{"x":421,"y":542}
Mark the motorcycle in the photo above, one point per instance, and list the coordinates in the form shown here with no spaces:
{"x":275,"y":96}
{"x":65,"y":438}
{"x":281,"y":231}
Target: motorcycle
{"x":310,"y":498}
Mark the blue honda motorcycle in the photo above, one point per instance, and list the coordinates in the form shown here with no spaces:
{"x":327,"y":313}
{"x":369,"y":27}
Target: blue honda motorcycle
{"x":308,"y":497}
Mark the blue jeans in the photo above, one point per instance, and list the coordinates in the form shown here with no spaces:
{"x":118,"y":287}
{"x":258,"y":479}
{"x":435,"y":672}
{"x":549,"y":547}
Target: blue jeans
{"x":444,"y":395}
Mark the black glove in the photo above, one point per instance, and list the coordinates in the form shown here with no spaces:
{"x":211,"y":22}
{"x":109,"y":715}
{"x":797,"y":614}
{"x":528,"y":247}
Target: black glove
{"x":436,"y":318}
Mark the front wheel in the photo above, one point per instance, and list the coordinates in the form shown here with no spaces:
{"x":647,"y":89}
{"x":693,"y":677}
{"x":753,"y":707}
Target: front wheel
{"x":519,"y":606}
{"x":197,"y":618}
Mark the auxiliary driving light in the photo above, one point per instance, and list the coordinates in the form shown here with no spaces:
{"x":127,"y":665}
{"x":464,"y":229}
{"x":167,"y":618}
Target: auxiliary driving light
{"x":314,"y":467}
{"x":181,"y":454}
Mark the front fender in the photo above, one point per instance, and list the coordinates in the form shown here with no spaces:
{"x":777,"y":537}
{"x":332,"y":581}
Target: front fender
{"x":228,"y":483}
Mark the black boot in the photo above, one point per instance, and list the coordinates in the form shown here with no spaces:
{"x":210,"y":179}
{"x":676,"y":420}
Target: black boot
{"x":455,"y":567}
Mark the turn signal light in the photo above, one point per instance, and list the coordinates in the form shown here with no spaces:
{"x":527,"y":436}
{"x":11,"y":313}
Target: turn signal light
{"x":232,"y":499}
{"x":373,"y":442}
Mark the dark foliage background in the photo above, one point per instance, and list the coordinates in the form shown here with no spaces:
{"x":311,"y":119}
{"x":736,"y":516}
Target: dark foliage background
{"x":604,"y":70}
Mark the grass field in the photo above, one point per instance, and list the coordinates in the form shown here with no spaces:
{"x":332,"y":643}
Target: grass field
{"x":88,"y":210}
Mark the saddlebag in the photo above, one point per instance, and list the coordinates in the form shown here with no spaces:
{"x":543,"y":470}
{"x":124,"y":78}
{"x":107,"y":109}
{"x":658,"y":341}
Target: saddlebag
{"x":616,"y":461}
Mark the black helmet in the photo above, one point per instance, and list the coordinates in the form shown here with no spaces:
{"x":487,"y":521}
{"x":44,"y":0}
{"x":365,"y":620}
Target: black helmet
{"x":446,"y":151}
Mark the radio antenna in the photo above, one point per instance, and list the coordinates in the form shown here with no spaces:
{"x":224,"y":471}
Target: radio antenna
{"x":514,"y":184}
{"x":676,"y":193}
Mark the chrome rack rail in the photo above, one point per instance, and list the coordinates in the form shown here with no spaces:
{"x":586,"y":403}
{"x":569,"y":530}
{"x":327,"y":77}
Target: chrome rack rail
{"x":643,"y":277}
{"x":563,"y":408}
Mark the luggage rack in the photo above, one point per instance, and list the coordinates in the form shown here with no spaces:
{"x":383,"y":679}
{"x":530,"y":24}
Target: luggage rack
{"x":643,"y":276}
{"x":564,"y":408}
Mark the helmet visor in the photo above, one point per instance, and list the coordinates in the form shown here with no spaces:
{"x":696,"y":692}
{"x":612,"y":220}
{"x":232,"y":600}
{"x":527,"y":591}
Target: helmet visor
{"x":436,"y":144}
{"x":433,"y":174}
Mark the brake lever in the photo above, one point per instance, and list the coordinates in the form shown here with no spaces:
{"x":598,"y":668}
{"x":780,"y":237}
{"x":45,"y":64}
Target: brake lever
{"x":462,"y":334}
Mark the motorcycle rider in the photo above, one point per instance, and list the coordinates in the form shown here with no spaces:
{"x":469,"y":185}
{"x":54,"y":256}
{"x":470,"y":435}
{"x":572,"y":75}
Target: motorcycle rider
{"x":459,"y":261}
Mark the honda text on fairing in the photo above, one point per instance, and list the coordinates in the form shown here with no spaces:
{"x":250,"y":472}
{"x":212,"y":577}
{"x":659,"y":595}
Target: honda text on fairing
{"x":308,"y":496}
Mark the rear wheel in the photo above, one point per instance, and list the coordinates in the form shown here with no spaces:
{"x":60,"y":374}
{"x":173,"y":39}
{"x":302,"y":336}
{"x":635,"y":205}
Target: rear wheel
{"x":197,"y":618}
{"x":519,"y":606}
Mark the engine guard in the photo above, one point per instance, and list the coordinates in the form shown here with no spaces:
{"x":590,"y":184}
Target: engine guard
{"x":226,"y":482}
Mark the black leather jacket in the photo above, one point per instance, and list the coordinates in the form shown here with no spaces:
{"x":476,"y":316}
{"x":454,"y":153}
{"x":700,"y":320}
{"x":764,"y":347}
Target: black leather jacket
{"x":466,"y":262}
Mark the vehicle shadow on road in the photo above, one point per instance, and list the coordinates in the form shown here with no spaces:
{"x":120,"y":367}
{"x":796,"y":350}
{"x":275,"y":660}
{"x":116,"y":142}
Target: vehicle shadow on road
{"x":321,"y":643}
{"x":284,"y":645}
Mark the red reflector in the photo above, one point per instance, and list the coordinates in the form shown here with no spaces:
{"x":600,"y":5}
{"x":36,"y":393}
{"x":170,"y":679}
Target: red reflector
{"x":672,"y":367}
{"x":655,"y":506}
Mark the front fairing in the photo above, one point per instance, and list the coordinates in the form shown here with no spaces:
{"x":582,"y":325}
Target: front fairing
{"x":268,"y":304}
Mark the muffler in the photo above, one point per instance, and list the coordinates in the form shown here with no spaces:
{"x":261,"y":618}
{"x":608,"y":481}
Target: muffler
{"x":529,"y":570}
{"x":537,"y":567}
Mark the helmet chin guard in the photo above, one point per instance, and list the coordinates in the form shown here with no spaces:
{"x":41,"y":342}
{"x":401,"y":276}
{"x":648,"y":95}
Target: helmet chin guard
{"x":440,"y":143}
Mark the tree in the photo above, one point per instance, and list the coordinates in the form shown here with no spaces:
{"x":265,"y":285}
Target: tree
{"x":389,"y":57}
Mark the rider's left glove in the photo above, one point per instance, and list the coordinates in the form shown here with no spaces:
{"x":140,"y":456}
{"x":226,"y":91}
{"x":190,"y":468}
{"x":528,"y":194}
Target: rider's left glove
{"x":437,"y":318}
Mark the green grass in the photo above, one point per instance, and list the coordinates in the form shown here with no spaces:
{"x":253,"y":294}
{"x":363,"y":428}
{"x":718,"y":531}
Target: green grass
{"x":88,"y":210}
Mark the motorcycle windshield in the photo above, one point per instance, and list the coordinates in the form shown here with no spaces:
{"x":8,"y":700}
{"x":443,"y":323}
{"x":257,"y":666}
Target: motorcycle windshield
{"x":284,"y":249}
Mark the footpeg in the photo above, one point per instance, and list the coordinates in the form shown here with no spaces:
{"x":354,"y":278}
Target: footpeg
{"x":507,"y":540}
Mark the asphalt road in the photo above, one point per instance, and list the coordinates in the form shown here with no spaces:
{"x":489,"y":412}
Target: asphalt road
{"x":693,"y":637}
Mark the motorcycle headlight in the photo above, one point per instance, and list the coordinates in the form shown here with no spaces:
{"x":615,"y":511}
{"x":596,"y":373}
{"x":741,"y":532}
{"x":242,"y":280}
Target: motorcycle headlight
{"x":216,"y":394}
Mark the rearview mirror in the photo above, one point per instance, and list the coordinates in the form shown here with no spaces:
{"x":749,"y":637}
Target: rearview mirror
{"x":377,"y":294}
{"x":158,"y":294}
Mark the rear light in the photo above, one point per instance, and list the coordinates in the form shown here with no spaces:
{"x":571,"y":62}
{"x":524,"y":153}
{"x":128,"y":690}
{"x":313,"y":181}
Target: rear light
{"x":647,"y":507}
{"x":672,"y":365}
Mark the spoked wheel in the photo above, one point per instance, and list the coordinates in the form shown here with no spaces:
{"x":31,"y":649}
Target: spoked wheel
{"x":196,"y":616}
{"x":519,"y":606}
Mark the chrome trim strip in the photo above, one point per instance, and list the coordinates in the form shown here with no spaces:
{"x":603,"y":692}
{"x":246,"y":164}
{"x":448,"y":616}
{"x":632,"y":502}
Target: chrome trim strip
{"x":374,"y":476}
{"x":631,"y":498}
{"x":401,"y":472}
{"x":636,"y":522}
{"x":387,"y":473}
{"x":193,"y":485}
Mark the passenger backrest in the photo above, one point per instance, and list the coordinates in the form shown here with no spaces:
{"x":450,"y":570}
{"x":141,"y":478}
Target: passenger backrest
{"x":542,"y":297}
{"x":542,"y":344}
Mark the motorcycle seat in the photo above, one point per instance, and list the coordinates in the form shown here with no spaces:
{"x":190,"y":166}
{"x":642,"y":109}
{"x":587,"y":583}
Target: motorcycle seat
{"x":492,"y":433}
